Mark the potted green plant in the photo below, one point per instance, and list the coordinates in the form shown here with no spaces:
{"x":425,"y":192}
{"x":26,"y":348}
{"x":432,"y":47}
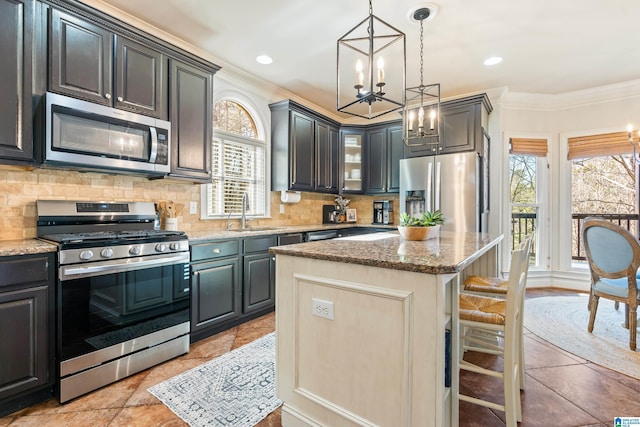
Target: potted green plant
{"x":421,"y":228}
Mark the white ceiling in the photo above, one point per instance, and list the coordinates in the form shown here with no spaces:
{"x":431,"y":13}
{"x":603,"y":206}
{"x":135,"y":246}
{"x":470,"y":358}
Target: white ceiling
{"x":548,"y":46}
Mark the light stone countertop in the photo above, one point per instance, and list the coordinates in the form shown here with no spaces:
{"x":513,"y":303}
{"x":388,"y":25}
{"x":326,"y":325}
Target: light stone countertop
{"x":450,"y":253}
{"x":25,"y":247}
{"x":36,"y":246}
{"x":220,"y":233}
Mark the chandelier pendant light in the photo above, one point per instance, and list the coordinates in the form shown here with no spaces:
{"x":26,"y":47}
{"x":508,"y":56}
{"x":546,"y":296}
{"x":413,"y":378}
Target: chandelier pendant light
{"x":371,"y":69}
{"x":421,"y":114}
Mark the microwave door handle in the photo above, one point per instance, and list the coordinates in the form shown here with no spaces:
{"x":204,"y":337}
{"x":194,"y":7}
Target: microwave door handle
{"x":154,"y":144}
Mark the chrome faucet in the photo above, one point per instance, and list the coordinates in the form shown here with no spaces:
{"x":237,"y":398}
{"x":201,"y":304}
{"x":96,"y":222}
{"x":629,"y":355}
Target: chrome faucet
{"x":245,"y":207}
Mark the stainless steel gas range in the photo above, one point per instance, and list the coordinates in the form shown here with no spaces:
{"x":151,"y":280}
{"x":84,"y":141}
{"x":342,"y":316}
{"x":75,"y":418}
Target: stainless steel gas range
{"x":122,"y":292}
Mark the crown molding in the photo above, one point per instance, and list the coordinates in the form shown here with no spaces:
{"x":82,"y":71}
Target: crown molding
{"x":574,"y":99}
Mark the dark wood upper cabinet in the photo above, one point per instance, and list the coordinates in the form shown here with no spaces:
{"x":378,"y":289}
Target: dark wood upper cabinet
{"x":140,"y":79}
{"x":80,"y":58}
{"x":326,"y":158}
{"x":191,"y":122}
{"x":16,"y":110}
{"x":384,"y":150}
{"x":304,"y":149}
{"x":461,"y":126}
{"x":90,"y":62}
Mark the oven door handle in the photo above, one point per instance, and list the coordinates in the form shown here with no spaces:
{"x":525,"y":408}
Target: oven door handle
{"x":119,"y":266}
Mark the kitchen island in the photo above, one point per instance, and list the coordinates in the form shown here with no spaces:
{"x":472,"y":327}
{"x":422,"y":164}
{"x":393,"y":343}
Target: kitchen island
{"x":363,"y":325}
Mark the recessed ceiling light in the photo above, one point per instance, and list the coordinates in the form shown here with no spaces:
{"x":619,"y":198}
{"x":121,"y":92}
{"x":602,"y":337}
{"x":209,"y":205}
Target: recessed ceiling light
{"x":264,"y":59}
{"x":493,"y":60}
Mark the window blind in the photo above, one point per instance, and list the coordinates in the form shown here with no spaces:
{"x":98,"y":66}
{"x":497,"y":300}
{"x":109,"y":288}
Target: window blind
{"x":238,"y":167}
{"x":607,"y":144}
{"x":528,"y":147}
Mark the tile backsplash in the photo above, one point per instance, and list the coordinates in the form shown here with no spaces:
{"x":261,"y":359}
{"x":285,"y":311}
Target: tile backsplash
{"x":20,"y":188}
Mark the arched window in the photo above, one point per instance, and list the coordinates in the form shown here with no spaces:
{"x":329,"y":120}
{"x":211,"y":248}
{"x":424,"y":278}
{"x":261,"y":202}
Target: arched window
{"x":232,"y":117}
{"x":238,"y":163}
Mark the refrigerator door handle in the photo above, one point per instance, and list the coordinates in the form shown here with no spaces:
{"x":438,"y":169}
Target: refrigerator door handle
{"x":436,"y":199}
{"x":429,"y":189}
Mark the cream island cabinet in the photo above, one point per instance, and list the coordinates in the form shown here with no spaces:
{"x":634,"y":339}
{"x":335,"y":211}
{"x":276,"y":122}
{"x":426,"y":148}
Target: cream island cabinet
{"x":366,"y":328}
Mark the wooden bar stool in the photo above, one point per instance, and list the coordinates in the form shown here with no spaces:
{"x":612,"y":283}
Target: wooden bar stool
{"x":501,"y":316}
{"x":497,"y":288}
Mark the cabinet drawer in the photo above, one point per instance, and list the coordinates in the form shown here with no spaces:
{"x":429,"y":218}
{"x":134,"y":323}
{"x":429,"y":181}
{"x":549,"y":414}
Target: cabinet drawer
{"x":219,"y":249}
{"x":24,"y":271}
{"x":259,"y":244}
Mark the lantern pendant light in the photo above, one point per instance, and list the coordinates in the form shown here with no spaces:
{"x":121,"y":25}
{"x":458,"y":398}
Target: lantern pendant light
{"x":421,"y":114}
{"x":371,"y":69}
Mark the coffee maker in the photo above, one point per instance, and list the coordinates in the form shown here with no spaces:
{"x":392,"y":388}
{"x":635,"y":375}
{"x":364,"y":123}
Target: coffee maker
{"x":383,"y":212}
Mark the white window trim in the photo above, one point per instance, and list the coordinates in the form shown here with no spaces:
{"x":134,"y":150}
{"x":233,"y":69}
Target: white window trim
{"x":543,"y":202}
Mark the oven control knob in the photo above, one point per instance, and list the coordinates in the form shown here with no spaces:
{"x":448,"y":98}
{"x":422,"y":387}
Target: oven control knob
{"x":86,"y":255}
{"x":174,"y":246}
{"x":106,"y":253}
{"x":135,"y":250}
{"x":161,"y":247}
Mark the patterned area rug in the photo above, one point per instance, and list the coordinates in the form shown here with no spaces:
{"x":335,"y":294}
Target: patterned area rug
{"x":236,"y":389}
{"x":563,"y":321}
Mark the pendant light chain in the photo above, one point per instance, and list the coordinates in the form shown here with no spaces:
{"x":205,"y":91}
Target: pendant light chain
{"x":421,"y":54}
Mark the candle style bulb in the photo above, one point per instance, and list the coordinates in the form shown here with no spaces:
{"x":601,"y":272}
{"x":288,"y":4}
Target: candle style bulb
{"x":380,"y":70}
{"x":412,"y":117}
{"x":420,"y":118}
{"x":629,"y":131}
{"x":359,"y":75}
{"x":432,"y":117}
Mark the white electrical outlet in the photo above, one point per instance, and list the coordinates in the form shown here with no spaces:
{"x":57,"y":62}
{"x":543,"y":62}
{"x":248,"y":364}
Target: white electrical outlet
{"x":193,"y":208}
{"x":281,"y":208}
{"x":322,"y":308}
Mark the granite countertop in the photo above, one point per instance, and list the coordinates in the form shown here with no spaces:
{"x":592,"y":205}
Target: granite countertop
{"x":25,"y":247}
{"x":36,"y":246}
{"x":220,"y":233}
{"x":450,"y":253}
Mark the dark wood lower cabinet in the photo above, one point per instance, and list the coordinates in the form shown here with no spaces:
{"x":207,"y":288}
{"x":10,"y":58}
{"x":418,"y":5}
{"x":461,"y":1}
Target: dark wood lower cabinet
{"x":233,"y":281}
{"x":215,"y":291}
{"x":258,"y":285}
{"x":26,"y":328}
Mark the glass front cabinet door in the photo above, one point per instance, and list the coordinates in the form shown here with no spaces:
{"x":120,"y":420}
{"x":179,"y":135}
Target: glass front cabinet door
{"x":351,"y":141}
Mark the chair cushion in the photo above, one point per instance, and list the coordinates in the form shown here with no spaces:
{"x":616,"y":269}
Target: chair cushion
{"x":617,"y":287}
{"x":482,"y":309}
{"x":486,"y":284}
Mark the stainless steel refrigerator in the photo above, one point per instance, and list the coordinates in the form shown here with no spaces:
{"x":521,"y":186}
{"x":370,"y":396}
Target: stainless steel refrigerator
{"x":453,"y":183}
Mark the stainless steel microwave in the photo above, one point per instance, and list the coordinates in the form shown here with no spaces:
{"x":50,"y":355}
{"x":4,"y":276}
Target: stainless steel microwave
{"x":87,"y":136}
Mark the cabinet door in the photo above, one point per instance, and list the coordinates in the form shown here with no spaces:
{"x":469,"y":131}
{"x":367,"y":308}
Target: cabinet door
{"x":23,"y":358}
{"x":16,"y":50}
{"x":326,"y":158}
{"x":458,"y":129}
{"x":395,"y":153}
{"x":215,"y":291}
{"x":80,"y":58}
{"x":258,"y":290}
{"x":352,"y":165}
{"x":141,"y":79}
{"x":376,"y":161}
{"x":191,"y":122}
{"x":302,"y":158}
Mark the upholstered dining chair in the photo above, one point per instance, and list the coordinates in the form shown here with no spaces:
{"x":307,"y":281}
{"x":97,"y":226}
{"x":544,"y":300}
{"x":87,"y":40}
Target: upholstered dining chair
{"x":503,"y":316}
{"x":497,"y":287}
{"x":614,"y":257}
